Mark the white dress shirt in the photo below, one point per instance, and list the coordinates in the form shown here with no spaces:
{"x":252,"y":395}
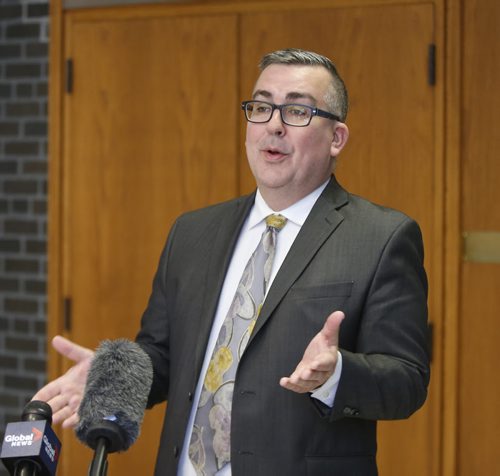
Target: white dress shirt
{"x":247,"y":242}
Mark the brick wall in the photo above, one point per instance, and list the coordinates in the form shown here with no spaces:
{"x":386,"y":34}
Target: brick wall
{"x":23,"y":202}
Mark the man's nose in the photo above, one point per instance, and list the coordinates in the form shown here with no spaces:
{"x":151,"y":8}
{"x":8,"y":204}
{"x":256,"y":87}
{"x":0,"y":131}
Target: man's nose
{"x":275,"y":124}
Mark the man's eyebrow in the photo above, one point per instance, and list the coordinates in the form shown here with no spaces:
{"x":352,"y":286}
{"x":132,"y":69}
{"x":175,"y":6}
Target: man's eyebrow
{"x":261,"y":92}
{"x":298,"y":95}
{"x":290,"y":96}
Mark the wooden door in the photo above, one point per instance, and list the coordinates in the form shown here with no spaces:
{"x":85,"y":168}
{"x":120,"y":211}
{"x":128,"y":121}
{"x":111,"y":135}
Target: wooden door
{"x":138,"y":149}
{"x":150,"y":131}
{"x":479,"y":329}
{"x":381,"y":52}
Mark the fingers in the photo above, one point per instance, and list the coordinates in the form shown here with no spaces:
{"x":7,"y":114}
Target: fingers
{"x":331,"y":328}
{"x":69,"y":349}
{"x":66,"y":416}
{"x":49,"y":392}
{"x":71,"y":422}
{"x":303,"y":385}
{"x":65,"y":409}
{"x":308,"y":377}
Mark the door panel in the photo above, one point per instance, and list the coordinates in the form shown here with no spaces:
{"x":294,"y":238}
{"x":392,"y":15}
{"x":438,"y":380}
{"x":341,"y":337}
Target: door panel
{"x":390,"y":156}
{"x":479,"y":330}
{"x":150,"y":132}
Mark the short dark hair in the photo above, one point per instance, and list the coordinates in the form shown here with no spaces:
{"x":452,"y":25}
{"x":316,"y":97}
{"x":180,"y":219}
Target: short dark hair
{"x":338,"y":101}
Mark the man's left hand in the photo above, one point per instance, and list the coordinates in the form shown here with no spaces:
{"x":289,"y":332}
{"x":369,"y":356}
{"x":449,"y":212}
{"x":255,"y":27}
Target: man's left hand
{"x":319,"y":360}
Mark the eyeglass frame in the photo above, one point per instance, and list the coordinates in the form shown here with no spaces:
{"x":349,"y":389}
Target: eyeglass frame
{"x":314,"y":112}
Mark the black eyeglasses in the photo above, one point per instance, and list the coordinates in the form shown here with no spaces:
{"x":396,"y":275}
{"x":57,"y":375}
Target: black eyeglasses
{"x":298,"y":115}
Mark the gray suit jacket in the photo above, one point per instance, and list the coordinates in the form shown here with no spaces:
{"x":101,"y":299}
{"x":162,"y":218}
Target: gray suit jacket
{"x":350,"y":255}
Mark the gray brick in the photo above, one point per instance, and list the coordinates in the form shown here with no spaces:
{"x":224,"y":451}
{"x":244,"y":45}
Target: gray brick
{"x":25,"y":227}
{"x":34,"y":286}
{"x":10,"y":11}
{"x":21,"y":265}
{"x":24,"y":306}
{"x":38,"y":10}
{"x":20,"y":206}
{"x":9,"y":246}
{"x":40,"y":207}
{"x":23,"y":30}
{"x":21,"y":326}
{"x":35,"y":167}
{"x":22,"y":109}
{"x":36,"y":50}
{"x":9,"y":416}
{"x":23,"y":70}
{"x":20,"y":187}
{"x":21,"y":148}
{"x":23,"y":168}
{"x":5,"y":90}
{"x":9,"y":128}
{"x":4,"y":324}
{"x":8,"y":167}
{"x":8,"y":400}
{"x":40,"y":328}
{"x":36,"y":128}
{"x":10,"y":50}
{"x":24,"y":90}
{"x":21,"y":344}
{"x":36,"y":246}
{"x":9,"y":284}
{"x":18,"y":382}
{"x":42,"y":88}
{"x":35,"y":365}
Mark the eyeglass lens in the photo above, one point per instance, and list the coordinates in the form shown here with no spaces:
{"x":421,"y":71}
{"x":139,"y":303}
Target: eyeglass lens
{"x":292,"y":114}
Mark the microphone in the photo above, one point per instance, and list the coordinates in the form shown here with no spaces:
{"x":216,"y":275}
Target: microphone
{"x":30,"y":447}
{"x":114,"y":400}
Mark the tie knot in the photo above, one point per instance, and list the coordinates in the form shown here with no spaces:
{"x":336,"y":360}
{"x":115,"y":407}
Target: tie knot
{"x":276,"y":221}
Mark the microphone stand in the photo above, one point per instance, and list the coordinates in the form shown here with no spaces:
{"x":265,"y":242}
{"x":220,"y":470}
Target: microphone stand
{"x":99,"y":464}
{"x":104,"y":437}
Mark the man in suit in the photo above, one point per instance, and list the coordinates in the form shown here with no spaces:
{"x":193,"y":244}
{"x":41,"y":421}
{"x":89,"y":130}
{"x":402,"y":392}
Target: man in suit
{"x":340,"y":338}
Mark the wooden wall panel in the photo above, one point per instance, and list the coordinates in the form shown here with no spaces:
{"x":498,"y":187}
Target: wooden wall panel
{"x":479,"y":386}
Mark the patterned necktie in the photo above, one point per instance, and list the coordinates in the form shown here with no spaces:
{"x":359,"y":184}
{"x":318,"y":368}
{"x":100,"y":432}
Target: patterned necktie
{"x":209,"y":448}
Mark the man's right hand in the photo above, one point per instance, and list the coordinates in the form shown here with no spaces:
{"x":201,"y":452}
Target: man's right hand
{"x":65,"y":393}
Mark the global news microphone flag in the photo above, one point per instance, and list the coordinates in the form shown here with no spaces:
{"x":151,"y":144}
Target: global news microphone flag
{"x":34,"y":441}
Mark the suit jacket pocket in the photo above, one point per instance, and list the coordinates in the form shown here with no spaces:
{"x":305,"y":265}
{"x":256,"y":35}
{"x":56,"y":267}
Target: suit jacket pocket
{"x":307,"y":307}
{"x":341,"y":466}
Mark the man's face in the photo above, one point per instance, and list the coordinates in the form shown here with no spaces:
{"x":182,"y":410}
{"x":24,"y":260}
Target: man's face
{"x":290,"y":162}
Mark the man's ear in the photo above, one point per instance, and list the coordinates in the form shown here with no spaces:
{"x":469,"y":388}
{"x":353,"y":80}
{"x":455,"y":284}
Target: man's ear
{"x":340,"y":136}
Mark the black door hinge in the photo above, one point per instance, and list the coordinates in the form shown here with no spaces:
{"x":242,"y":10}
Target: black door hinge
{"x":67,"y":314}
{"x":69,"y":75}
{"x":431,"y":64}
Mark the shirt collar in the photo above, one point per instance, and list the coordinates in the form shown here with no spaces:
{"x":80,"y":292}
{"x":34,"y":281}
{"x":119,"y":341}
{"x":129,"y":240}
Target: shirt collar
{"x":296,"y":213}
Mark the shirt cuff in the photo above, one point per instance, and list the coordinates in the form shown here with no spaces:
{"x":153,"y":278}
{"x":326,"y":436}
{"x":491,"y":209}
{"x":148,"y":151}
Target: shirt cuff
{"x":326,"y":393}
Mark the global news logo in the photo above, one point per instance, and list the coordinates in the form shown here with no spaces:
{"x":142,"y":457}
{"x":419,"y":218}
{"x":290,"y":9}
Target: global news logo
{"x":52,"y":452}
{"x":23,"y":439}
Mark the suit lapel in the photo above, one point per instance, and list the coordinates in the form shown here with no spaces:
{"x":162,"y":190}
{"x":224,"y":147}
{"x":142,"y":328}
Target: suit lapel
{"x":319,"y":225}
